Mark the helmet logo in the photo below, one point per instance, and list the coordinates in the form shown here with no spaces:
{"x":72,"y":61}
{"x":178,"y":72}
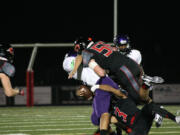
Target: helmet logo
{"x":123,"y":41}
{"x":10,"y":50}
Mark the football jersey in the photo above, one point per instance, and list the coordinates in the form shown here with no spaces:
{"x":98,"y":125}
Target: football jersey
{"x":100,"y":52}
{"x":135,"y":55}
{"x":104,"y":55}
{"x":126,"y":111}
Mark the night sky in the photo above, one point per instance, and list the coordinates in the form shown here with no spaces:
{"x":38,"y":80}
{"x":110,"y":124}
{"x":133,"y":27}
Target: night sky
{"x":153,"y":29}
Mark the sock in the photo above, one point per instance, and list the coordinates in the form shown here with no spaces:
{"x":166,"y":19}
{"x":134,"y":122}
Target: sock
{"x":112,"y":133}
{"x":103,"y":132}
{"x":119,"y":131}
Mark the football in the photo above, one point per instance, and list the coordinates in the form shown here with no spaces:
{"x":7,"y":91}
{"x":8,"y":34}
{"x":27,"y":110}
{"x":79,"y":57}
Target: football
{"x":84,"y":91}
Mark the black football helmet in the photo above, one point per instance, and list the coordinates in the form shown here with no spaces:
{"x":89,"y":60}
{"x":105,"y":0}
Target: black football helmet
{"x":7,"y":51}
{"x":122,"y":40}
{"x":81,"y":43}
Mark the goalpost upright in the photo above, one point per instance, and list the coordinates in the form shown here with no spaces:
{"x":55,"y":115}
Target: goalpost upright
{"x":30,"y":71}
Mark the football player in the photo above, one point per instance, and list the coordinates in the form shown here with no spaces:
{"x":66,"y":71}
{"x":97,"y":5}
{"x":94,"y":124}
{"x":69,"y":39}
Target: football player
{"x":131,"y":119}
{"x":7,"y":70}
{"x":122,"y":43}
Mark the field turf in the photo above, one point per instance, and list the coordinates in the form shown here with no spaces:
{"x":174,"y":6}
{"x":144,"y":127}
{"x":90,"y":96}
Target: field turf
{"x":63,"y":120}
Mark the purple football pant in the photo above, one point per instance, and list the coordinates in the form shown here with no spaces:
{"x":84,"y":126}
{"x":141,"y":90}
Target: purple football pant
{"x":101,"y":100}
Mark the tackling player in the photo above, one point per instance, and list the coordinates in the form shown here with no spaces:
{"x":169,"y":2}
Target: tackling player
{"x":131,"y":119}
{"x":100,"y":56}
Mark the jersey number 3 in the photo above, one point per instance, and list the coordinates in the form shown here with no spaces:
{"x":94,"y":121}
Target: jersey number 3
{"x":118,"y":113}
{"x":99,"y":47}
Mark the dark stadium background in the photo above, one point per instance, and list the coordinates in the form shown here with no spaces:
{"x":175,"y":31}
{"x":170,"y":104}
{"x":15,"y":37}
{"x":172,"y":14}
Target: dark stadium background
{"x":153,"y":28}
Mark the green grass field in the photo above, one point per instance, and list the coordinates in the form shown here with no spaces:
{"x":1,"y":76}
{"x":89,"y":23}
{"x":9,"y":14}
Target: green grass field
{"x":62,"y":120}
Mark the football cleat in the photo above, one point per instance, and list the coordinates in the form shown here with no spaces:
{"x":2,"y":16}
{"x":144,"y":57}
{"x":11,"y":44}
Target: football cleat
{"x":158,"y":119}
{"x":155,"y":79}
{"x":97,"y":132}
{"x":177,"y":118}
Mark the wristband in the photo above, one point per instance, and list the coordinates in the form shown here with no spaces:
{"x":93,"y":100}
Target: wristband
{"x":93,"y":88}
{"x":21,"y":92}
{"x":92,"y":64}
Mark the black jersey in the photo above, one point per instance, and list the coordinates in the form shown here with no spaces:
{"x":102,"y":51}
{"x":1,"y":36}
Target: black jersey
{"x":107,"y":58}
{"x":126,"y":112}
{"x":99,"y":51}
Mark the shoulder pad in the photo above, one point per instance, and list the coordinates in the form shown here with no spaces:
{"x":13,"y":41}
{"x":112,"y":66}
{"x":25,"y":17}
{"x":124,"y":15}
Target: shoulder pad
{"x":8,"y":69}
{"x":86,"y":57}
{"x":135,"y":55}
